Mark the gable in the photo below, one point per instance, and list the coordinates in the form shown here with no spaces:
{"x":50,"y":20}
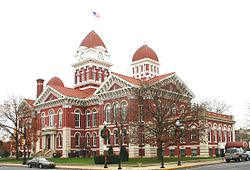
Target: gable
{"x":171,"y":87}
{"x":116,"y":81}
{"x":47,"y":95}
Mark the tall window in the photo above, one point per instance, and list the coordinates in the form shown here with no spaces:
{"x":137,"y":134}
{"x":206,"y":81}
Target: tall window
{"x":51,"y":117}
{"x":77,"y":118}
{"x":193,"y":133}
{"x":60,"y":113}
{"x":59,"y":139}
{"x":220,"y":135}
{"x":107,"y":114}
{"x":87,"y":75}
{"x":124,"y":136}
{"x":87,"y":118}
{"x":116,"y":137}
{"x":77,"y":139}
{"x":124,"y":110}
{"x":209,"y":134}
{"x":43,"y":119}
{"x":88,"y":139}
{"x":93,"y":75}
{"x":100,"y":76}
{"x":83,"y":76}
{"x":94,"y":139}
{"x":116,"y":110}
{"x":94,"y":117}
{"x":215,"y":134}
{"x":225,"y":135}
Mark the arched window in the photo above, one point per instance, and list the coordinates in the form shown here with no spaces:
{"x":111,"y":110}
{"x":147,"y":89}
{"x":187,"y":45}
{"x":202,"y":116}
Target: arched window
{"x":60,"y":114}
{"x":88,"y":139}
{"x":43,"y":119}
{"x":87,"y":118}
{"x":77,"y":118}
{"x":124,"y":136}
{"x":107,"y":113}
{"x":77,"y":139}
{"x":215,"y":133}
{"x":94,"y":139}
{"x":116,"y":137}
{"x":94,"y":118}
{"x":51,"y":118}
{"x":193,"y":133}
{"x":225,"y":134}
{"x":220,"y":134}
{"x":209,"y":135}
{"x":229,"y":135}
{"x":116,"y":110}
{"x":124,"y":110}
{"x":59,"y":140}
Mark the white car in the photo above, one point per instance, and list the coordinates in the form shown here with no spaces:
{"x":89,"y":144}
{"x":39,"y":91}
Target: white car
{"x":248,"y":153}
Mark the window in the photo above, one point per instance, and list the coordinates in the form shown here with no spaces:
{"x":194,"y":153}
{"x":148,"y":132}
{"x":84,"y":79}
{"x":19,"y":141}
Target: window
{"x":194,"y":152}
{"x":87,"y":75}
{"x":229,"y":135}
{"x":107,"y":113}
{"x":124,"y":136}
{"x":116,"y":109}
{"x":77,"y":118}
{"x":193,"y":133}
{"x":83,"y":76}
{"x":182,"y":109}
{"x":209,"y":135}
{"x":116,"y":137}
{"x":225,"y":135}
{"x":60,"y":118}
{"x":77,"y":139}
{"x":43,"y":119}
{"x":124,"y":110}
{"x":94,"y":139}
{"x":51,"y":117}
{"x":100,"y":77}
{"x":171,"y":152}
{"x":220,"y":135}
{"x":88,"y":139}
{"x":183,"y":152}
{"x":215,"y":135}
{"x":59,"y":139}
{"x":94,"y":117}
{"x":93,"y":75}
{"x":87,"y":118}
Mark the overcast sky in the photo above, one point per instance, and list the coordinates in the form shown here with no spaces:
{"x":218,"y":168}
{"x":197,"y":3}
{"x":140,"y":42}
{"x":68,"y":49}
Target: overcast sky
{"x":207,"y":43}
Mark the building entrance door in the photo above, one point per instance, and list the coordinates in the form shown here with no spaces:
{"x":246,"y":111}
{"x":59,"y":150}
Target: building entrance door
{"x":48,"y":141}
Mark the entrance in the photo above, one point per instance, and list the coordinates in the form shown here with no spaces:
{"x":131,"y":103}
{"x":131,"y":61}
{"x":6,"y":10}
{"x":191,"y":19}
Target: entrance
{"x":47,"y":141}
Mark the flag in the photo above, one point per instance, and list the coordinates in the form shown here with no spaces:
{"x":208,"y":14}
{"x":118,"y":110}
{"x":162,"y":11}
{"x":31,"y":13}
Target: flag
{"x":96,"y":14}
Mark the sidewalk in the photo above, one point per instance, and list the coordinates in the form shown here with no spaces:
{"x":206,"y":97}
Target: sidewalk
{"x":168,"y":166}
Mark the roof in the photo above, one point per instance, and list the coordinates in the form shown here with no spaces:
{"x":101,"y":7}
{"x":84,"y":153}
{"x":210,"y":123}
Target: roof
{"x":160,"y":77}
{"x":145,"y":52}
{"x":30,"y":102}
{"x":92,"y":40}
{"x":70,"y":92}
{"x":128,"y":79}
{"x":55,"y":81}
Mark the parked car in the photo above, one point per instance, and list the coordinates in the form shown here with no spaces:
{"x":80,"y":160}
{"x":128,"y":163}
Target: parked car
{"x":235,"y":154}
{"x":248,"y":153}
{"x":40,"y":163}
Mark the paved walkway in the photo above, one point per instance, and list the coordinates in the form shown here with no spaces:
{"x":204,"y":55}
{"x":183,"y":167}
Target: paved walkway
{"x":168,"y":166}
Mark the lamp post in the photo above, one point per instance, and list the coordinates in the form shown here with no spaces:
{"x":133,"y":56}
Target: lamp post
{"x":162,"y":156}
{"x":24,"y":146}
{"x":178,"y":124}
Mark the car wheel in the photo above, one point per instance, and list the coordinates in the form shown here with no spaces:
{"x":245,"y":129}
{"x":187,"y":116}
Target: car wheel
{"x":247,"y":158}
{"x":29,"y":165}
{"x":227,"y":161}
{"x":240,"y":159}
{"x":40,"y":166}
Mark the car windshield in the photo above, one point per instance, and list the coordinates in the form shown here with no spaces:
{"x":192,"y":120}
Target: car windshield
{"x":231,"y":150}
{"x":43,"y":159}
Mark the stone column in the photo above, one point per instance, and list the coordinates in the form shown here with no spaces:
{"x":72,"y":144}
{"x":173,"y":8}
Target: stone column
{"x":66,"y":136}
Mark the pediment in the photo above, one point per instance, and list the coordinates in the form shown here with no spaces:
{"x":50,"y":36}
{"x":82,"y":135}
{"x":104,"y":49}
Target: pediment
{"x":113,"y":82}
{"x":175,"y":84}
{"x":49,"y":94}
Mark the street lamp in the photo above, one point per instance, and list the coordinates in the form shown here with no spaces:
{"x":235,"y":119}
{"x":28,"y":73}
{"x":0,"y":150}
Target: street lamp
{"x":178,"y":125}
{"x":120,"y":143}
{"x":24,"y":147}
{"x":105,"y":134}
{"x":162,"y":156}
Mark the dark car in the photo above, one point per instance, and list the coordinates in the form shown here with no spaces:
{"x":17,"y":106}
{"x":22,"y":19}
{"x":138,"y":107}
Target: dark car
{"x":40,"y":163}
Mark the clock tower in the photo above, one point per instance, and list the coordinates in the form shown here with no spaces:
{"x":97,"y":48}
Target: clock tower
{"x":92,"y":64}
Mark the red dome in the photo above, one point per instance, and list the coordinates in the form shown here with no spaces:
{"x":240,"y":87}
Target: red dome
{"x":92,"y":40}
{"x":56,"y":82}
{"x":144,"y":52}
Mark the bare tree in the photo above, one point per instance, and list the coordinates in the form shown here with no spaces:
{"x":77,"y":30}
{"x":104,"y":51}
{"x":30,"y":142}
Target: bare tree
{"x":215,"y":106}
{"x":154,"y":113}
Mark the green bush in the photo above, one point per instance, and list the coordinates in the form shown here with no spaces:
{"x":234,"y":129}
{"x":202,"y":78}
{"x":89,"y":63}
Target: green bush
{"x":5,"y":154}
{"x":110,"y":151}
{"x":112,"y":159}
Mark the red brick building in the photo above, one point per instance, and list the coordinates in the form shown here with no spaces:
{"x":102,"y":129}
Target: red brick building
{"x":70,"y":118}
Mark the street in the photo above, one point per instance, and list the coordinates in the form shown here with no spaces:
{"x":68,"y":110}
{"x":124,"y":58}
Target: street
{"x":17,"y":168}
{"x":225,"y":166}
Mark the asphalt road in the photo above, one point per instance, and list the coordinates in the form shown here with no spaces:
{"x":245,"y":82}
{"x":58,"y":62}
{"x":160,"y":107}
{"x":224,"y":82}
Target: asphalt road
{"x":226,"y":166}
{"x":18,"y":168}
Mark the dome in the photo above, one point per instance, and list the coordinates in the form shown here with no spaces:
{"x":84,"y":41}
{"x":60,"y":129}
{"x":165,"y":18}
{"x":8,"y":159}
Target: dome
{"x":56,"y":82}
{"x":144,"y":52}
{"x":92,"y":40}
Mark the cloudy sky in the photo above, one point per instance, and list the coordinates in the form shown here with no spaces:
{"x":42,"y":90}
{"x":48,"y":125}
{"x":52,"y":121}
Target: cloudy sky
{"x":207,"y":43}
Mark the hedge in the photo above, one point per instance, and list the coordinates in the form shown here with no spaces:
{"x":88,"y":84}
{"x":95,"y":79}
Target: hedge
{"x":112,"y":159}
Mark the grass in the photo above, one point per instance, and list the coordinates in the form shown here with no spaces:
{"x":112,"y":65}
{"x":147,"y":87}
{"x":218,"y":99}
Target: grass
{"x":90,"y":161}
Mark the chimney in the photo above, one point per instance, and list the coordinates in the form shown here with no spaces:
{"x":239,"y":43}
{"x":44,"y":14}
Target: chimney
{"x":39,"y":87}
